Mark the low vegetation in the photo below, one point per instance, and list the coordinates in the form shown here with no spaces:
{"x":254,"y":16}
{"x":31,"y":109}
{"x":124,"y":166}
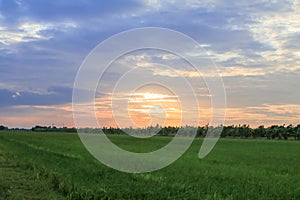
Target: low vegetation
{"x":241,"y":131}
{"x":51,"y":165}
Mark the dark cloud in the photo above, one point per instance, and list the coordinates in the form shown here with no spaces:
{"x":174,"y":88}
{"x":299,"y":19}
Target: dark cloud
{"x":54,"y":96}
{"x":57,"y":59}
{"x":63,"y":9}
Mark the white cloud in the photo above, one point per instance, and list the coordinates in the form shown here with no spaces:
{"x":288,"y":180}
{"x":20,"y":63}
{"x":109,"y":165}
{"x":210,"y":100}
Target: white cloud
{"x":30,"y":31}
{"x":17,"y":94}
{"x":25,"y":33}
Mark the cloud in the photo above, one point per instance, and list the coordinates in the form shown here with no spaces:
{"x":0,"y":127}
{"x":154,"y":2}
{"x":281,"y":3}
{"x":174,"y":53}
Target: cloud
{"x":275,"y":88}
{"x":264,"y":114}
{"x":53,"y":96}
{"x":254,"y":44}
{"x":30,"y":31}
{"x":57,"y":10}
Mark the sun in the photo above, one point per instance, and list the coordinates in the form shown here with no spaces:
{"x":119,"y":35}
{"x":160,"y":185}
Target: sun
{"x":153,"y":96}
{"x":151,"y":105}
{"x":148,"y":105}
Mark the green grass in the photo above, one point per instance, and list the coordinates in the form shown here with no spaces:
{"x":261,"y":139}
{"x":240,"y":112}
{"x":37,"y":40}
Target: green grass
{"x":57,"y":166}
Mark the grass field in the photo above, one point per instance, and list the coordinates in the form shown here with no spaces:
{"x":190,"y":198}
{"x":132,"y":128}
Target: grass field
{"x":57,"y":166}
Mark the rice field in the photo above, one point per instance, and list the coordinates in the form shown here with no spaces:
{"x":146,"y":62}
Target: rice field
{"x":45,"y":165}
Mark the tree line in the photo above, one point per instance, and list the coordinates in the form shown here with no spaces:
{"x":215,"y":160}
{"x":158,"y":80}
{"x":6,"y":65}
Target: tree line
{"x":283,"y":132}
{"x":236,"y":131}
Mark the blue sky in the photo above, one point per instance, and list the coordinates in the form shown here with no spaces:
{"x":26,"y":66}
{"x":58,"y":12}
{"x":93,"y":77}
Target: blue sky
{"x":255,"y":44}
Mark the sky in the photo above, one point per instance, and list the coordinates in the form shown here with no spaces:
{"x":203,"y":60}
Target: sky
{"x":254,"y":44}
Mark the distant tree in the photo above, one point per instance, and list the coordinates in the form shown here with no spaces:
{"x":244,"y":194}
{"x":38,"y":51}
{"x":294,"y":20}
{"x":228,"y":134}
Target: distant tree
{"x":261,"y":131}
{"x":274,"y":131}
{"x":200,"y":131}
{"x":298,"y":132}
{"x":289,"y":132}
{"x":268,"y":133}
{"x":2,"y":128}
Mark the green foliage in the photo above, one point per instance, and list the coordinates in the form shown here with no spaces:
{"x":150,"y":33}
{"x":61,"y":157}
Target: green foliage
{"x":57,"y":166}
{"x":53,"y":129}
{"x":240,"y":131}
{"x":2,"y":128}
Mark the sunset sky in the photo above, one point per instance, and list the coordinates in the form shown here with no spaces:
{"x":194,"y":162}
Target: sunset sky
{"x":255,"y":45}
